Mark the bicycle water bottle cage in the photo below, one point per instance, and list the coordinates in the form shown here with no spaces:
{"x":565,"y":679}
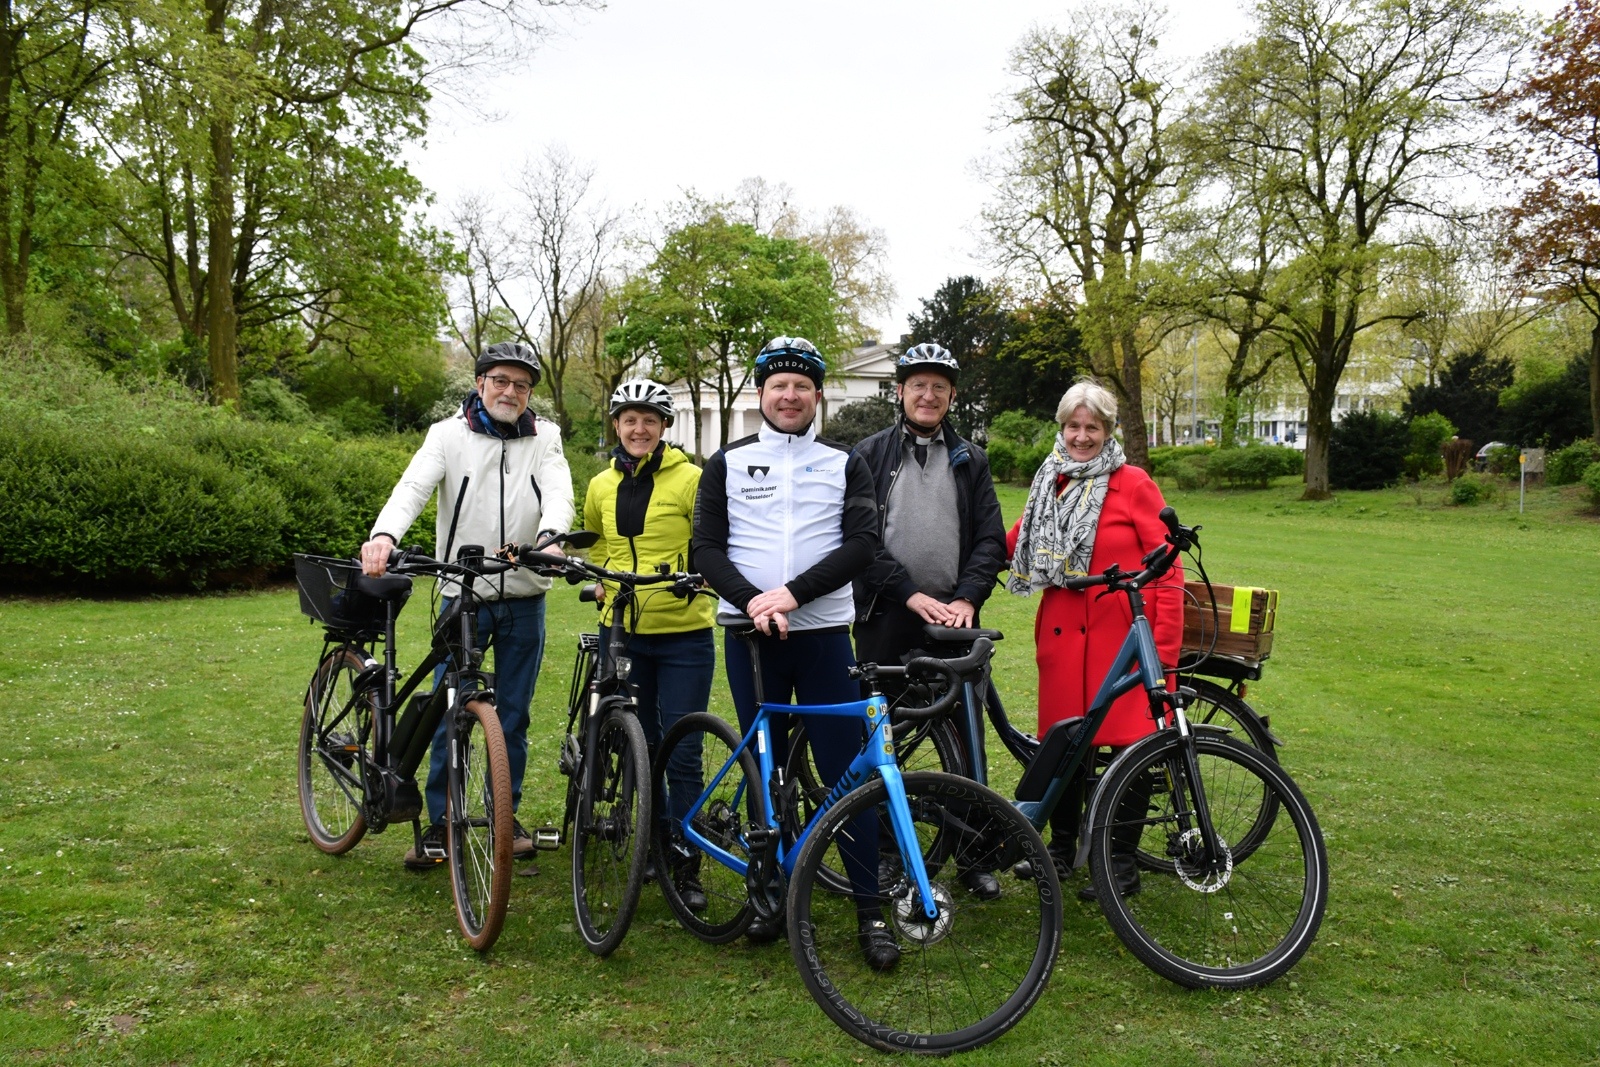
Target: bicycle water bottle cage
{"x":1047,"y":764}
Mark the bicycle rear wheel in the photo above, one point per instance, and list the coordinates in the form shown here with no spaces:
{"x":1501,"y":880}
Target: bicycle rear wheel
{"x":611,"y":842}
{"x":1239,"y":918}
{"x":334,"y":733}
{"x":964,"y":977}
{"x":478,"y":823}
{"x":691,"y":756}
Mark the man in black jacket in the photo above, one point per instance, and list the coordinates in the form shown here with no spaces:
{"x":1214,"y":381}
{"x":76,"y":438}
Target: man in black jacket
{"x":941,"y":542}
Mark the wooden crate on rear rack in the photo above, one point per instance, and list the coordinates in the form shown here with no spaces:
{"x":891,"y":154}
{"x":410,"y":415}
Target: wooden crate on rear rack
{"x":1242,"y":623}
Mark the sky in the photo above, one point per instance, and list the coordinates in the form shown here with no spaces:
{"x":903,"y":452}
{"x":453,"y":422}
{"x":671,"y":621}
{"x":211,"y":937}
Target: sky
{"x":885,"y":106}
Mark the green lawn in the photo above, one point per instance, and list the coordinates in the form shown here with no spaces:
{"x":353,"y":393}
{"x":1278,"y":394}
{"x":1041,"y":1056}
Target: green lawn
{"x":1433,"y":678}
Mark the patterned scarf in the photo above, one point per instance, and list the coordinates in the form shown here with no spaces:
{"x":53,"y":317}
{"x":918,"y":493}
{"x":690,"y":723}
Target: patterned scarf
{"x":1056,"y":540}
{"x":480,"y":421}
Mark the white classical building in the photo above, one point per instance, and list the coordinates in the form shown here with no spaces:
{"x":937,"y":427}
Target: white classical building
{"x":862,"y":373}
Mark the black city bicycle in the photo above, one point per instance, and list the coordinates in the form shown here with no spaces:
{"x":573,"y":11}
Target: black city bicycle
{"x":362,"y":739}
{"x":609,"y":810}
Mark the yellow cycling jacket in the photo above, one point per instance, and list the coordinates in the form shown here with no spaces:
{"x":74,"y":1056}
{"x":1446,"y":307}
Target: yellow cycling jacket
{"x":644,"y":519}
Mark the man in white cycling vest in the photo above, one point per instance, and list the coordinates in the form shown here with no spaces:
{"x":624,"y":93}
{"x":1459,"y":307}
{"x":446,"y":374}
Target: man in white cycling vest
{"x":783,"y":523}
{"x":501,"y":476}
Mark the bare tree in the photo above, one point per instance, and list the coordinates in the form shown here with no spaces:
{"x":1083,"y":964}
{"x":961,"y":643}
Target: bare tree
{"x":562,"y":240}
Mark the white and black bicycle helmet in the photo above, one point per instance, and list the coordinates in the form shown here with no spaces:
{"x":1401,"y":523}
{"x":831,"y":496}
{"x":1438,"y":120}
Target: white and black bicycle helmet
{"x":643,"y":393}
{"x":509,"y":353}
{"x":924,"y":357}
{"x":793,"y":355}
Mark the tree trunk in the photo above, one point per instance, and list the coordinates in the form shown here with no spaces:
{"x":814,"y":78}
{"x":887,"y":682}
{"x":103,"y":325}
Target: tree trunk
{"x":13,"y":281}
{"x":1135,"y":436}
{"x":1594,"y":381}
{"x":222,"y":323}
{"x":1319,"y":429}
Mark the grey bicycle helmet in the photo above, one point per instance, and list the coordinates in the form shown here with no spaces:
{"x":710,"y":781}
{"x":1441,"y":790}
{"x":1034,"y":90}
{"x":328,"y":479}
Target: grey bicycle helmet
{"x":643,"y":393}
{"x":511,"y":353}
{"x":793,"y":355}
{"x":924,"y":357}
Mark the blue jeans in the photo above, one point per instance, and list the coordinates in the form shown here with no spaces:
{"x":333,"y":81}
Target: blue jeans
{"x":672,"y":674}
{"x":810,"y":668}
{"x":514,"y":629}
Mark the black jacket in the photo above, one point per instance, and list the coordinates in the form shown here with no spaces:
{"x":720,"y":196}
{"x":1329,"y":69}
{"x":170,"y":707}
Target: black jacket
{"x":983,"y":534}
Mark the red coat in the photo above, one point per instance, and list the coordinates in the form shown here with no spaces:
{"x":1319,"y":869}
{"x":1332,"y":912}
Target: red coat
{"x":1076,"y":637}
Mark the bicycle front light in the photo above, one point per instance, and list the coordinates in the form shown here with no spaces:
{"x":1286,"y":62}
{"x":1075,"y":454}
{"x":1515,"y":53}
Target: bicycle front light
{"x":624,"y":667}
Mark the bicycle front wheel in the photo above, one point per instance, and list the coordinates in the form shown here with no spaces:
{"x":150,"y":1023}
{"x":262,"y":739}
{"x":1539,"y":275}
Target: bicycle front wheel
{"x":479,"y":823}
{"x":964,"y":976}
{"x":1230,"y":918}
{"x":611,"y":842}
{"x":334,"y":732}
{"x":690,"y":757}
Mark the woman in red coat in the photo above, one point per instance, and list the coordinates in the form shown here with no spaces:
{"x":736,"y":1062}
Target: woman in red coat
{"x":1086,"y":510}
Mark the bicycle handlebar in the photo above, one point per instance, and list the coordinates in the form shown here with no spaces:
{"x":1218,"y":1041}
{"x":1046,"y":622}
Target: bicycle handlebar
{"x":951,"y":669}
{"x":576,"y":570}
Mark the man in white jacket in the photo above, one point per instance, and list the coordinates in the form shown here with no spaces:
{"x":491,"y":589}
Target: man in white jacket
{"x":501,"y":476}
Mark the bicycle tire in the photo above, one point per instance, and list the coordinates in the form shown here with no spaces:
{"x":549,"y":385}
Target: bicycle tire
{"x":705,"y":742}
{"x":478,"y":823}
{"x":1238,"y":922}
{"x":964,"y":978}
{"x":1216,"y":706}
{"x":332,"y":758}
{"x":610,"y":842}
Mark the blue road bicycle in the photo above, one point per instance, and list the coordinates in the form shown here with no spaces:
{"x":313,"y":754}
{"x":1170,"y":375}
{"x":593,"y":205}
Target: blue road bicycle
{"x":969,"y":968}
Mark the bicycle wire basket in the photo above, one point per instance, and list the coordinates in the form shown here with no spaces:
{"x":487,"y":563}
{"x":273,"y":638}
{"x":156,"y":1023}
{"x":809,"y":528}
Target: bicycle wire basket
{"x":330,"y":593}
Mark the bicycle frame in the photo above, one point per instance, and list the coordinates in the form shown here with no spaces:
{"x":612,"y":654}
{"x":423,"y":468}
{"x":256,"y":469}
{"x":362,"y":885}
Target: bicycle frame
{"x":876,"y":758}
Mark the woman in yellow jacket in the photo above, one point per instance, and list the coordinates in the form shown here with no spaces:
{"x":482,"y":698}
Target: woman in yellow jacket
{"x":642,"y":506}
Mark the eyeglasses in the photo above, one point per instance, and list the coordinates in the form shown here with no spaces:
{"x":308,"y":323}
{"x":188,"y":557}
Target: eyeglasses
{"x":936,"y":388}
{"x":500,"y":381}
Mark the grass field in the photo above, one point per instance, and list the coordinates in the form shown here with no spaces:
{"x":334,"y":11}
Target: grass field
{"x":1433,"y":677}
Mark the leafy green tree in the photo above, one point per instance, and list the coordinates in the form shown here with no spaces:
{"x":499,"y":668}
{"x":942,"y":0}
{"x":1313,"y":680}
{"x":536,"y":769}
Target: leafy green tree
{"x":1040,"y":357}
{"x":1360,"y":106}
{"x":1368,"y":450}
{"x":860,"y":419}
{"x":715,"y":292}
{"x":54,"y":65}
{"x":1548,"y":410}
{"x":966,"y":317}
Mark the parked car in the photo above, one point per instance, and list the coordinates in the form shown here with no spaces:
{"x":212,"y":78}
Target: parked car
{"x":1480,"y":461}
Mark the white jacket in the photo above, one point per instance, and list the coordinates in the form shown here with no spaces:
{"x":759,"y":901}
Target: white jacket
{"x":490,"y":491}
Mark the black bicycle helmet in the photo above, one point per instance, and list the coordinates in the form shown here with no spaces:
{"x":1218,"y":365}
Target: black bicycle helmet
{"x":924,"y":357}
{"x":794,"y":355}
{"x":511,"y":353}
{"x":642,"y":393}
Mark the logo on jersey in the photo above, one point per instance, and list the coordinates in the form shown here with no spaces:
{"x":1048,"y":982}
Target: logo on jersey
{"x":757,"y":472}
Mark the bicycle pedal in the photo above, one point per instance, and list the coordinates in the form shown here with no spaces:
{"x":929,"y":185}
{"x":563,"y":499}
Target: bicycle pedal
{"x":547,"y":839}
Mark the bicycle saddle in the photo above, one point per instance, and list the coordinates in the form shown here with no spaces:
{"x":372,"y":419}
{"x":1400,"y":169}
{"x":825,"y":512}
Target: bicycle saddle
{"x":953,"y":635}
{"x":387,"y":587}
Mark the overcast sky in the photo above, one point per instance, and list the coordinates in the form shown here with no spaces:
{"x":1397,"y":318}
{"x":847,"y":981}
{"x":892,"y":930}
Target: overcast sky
{"x":881,"y":105}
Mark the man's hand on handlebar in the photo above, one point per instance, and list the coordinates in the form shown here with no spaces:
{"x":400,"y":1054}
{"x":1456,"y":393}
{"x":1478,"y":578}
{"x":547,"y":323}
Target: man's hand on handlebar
{"x":375,"y":556}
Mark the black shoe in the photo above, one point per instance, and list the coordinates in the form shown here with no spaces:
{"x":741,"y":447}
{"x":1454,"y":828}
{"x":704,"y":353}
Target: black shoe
{"x":690,"y":891}
{"x":433,"y":849}
{"x":1126,"y":874}
{"x":878,"y":946}
{"x":764,"y":931}
{"x":522,"y":845}
{"x":981,"y":884}
{"x":649,"y":870}
{"x":1062,"y":859}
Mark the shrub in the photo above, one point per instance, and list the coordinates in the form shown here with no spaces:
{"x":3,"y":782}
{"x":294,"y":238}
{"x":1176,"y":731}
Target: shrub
{"x":1471,"y":489}
{"x":858,"y":420}
{"x":1251,"y":467}
{"x":269,"y":400}
{"x":1591,"y":482}
{"x":1021,"y":428}
{"x":1003,"y":457}
{"x":1190,"y":472}
{"x":1164,"y":460}
{"x":1566,"y":466}
{"x":1428,"y":434}
{"x":1367,"y":450}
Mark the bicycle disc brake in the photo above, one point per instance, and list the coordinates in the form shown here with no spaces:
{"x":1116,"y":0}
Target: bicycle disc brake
{"x":1193,"y":871}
